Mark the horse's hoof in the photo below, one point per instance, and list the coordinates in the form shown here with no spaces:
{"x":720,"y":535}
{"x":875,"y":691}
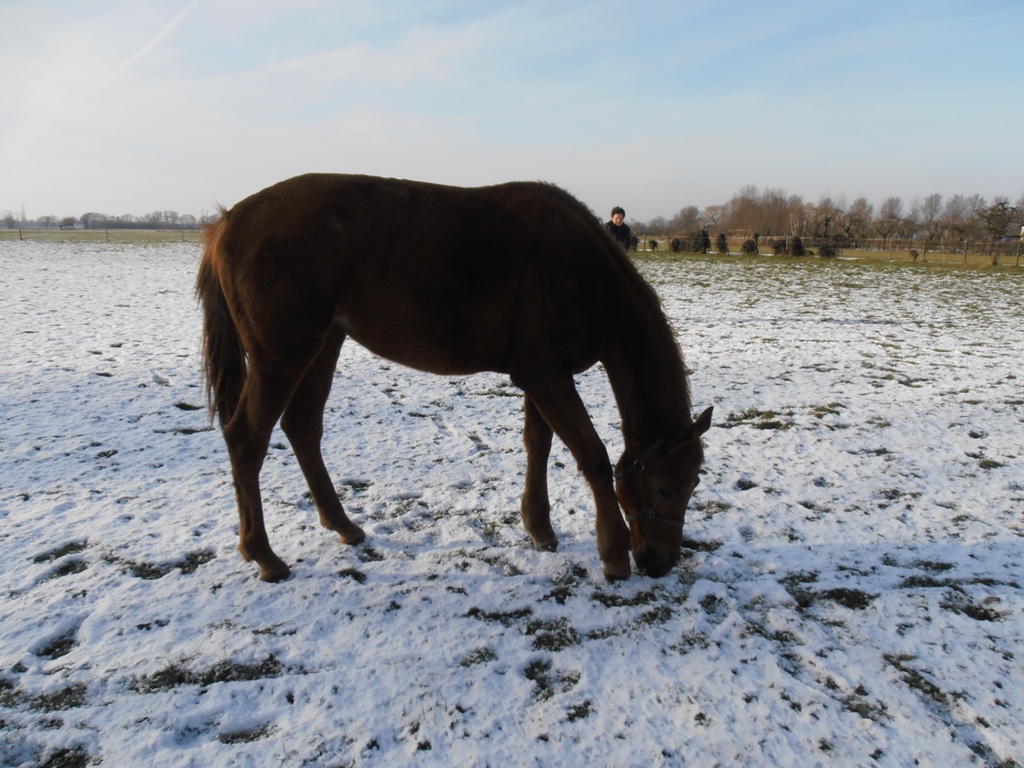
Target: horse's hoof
{"x":354,"y":535}
{"x":617,"y":571}
{"x":274,"y":574}
{"x":551,"y":545}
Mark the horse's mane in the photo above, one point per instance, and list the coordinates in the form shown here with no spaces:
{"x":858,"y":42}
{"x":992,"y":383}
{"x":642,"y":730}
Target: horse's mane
{"x":669,"y":384}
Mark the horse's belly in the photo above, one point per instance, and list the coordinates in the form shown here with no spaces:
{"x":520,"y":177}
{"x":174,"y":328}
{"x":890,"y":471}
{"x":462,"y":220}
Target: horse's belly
{"x":425,"y":348}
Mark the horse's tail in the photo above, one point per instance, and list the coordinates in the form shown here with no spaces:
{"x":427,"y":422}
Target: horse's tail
{"x":224,"y":363}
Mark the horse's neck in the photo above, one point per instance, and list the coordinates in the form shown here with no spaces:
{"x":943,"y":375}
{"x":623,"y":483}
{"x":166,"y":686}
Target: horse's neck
{"x":648,"y":378}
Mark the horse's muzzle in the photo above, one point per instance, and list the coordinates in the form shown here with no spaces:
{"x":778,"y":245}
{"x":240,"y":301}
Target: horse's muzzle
{"x":654,"y":563}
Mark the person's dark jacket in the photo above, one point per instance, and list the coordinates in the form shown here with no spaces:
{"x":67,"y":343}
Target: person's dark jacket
{"x":621,"y":233}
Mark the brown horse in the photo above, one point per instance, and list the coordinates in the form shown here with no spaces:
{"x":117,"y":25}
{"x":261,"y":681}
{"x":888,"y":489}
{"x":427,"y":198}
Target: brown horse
{"x":518,"y":278}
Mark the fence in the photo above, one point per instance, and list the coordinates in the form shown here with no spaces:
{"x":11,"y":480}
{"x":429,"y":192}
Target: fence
{"x":102,"y":235}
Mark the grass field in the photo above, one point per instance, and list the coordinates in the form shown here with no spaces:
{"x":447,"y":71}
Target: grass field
{"x":851,"y":591}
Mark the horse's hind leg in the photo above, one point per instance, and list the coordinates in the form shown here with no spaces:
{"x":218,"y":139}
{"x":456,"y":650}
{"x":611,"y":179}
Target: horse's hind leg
{"x":303,"y":423}
{"x":247,"y":436}
{"x":536,"y":508}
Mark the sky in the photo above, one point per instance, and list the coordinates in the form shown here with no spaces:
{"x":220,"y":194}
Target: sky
{"x":133,"y":106}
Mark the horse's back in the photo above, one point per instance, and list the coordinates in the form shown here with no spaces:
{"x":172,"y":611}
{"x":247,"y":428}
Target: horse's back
{"x":447,"y":279}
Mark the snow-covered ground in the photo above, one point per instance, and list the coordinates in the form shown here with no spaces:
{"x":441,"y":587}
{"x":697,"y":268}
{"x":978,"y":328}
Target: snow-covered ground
{"x":853,"y":595}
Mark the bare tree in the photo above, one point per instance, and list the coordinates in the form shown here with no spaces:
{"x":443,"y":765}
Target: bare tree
{"x":744,"y":210}
{"x":889,"y":217}
{"x":857,"y":220}
{"x":774,"y":212}
{"x":712,"y":215}
{"x":826,"y":216}
{"x":929,"y":215}
{"x":687,"y":219}
{"x":958,"y":217}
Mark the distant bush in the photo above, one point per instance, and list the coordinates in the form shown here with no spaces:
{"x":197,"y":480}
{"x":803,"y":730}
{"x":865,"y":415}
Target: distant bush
{"x":652,"y":244}
{"x":676,"y":245}
{"x":791,"y":247}
{"x":721,"y":244}
{"x":828,"y":251}
{"x":749,"y":246}
{"x":699,"y":241}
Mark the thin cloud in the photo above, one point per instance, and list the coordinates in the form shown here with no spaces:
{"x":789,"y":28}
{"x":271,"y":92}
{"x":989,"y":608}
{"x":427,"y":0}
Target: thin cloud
{"x":150,"y":45}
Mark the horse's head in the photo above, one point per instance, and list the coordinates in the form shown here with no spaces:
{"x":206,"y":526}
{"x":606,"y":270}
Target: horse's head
{"x":654,"y":488}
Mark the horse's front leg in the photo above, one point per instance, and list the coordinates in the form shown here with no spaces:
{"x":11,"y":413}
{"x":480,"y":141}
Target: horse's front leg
{"x":536,"y":508}
{"x":563,"y":410}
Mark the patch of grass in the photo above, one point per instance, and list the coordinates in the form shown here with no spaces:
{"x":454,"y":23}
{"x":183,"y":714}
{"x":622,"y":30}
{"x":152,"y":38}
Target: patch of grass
{"x":537,"y":672}
{"x":60,"y":645}
{"x":566,"y":583}
{"x":611,"y":600}
{"x":916,"y":680}
{"x":795,"y":584}
{"x":478,"y":656}
{"x":853,"y":599}
{"x":552,"y":634}
{"x":67,"y":568}
{"x":759,"y":419}
{"x":711,"y":507}
{"x":246,"y":736}
{"x":68,"y":757}
{"x":191,"y":562}
{"x":820,"y":411}
{"x":488,"y":557}
{"x":858,"y":703}
{"x":71,"y":548}
{"x":352,"y":573}
{"x":961,"y":605}
{"x":152,"y":571}
{"x":369,"y":555}
{"x":660,"y":614}
{"x":934,"y":565}
{"x":176,"y":675}
{"x":504,"y":389}
{"x":546,"y":684}
{"x":929,"y":582}
{"x":505,"y":618}
{"x":580,"y":711}
{"x":71,"y":697}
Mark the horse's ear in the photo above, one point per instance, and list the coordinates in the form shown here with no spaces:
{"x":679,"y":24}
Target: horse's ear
{"x":703,"y":422}
{"x":693,"y":432}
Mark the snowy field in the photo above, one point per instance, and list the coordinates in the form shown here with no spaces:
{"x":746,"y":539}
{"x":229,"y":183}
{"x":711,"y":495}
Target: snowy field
{"x":852,"y":593}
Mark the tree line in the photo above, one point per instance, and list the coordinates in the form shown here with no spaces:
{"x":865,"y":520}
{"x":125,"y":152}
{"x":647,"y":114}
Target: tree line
{"x":93,"y":220}
{"x":772,"y":213}
{"x":768,"y":212}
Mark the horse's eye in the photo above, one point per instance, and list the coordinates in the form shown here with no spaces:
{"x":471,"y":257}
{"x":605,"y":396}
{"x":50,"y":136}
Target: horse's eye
{"x":666,"y":493}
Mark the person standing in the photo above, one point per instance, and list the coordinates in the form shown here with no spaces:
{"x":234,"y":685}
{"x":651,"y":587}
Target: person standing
{"x":619,"y":229}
